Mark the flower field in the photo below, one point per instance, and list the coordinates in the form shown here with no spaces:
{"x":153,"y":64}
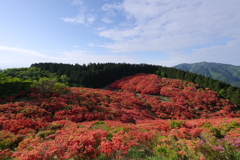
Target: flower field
{"x":139,"y":117}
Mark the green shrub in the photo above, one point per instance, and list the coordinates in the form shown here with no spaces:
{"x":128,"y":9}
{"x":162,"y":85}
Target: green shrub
{"x":11,"y":86}
{"x":100,"y":125}
{"x":45,"y":133}
{"x":47,"y":85}
{"x":176,"y":124}
{"x":9,"y":140}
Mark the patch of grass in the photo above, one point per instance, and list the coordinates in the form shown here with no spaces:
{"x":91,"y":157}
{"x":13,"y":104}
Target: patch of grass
{"x":69,"y":107}
{"x":163,"y":98}
{"x":45,"y":133}
{"x":55,"y":126}
{"x":207,"y":125}
{"x":25,"y":110}
{"x":176,"y":124}
{"x":100,"y":125}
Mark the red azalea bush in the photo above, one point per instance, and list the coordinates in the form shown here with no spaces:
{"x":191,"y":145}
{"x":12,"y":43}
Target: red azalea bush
{"x":148,"y":116}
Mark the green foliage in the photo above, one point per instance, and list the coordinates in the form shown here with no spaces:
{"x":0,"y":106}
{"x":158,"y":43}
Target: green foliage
{"x":156,"y":157}
{"x":222,"y":92}
{"x":96,"y":75}
{"x":101,"y":157}
{"x":177,"y":124}
{"x":55,"y":126}
{"x":69,"y":107}
{"x":45,"y":85}
{"x":25,"y":110}
{"x":3,"y":76}
{"x":64,"y":79}
{"x":217,"y":133}
{"x":170,"y":153}
{"x":207,"y":125}
{"x":234,"y":124}
{"x":100,"y":122}
{"x":21,"y":79}
{"x":137,"y":153}
{"x":11,"y":86}
{"x":228,"y":126}
{"x":8,"y":140}
{"x":31,"y":74}
{"x":100,"y":125}
{"x":118,"y":129}
{"x":45,"y":133}
{"x":59,"y":86}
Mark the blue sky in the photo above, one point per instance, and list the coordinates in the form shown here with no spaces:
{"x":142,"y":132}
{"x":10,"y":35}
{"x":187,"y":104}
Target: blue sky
{"x":162,"y":32}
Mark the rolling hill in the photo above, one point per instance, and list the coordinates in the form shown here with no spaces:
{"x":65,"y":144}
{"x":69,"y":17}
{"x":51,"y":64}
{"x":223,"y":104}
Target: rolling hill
{"x":222,"y":72}
{"x":143,"y":116}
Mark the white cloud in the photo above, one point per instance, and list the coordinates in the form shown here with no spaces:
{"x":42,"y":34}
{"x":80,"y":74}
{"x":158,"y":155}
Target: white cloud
{"x":19,"y":51}
{"x":111,"y":7}
{"x":91,"y":18}
{"x":169,"y":26}
{"x":106,"y":20}
{"x":91,"y":45}
{"x":227,"y":53}
{"x":77,"y":2}
{"x":82,"y":9}
{"x":83,"y":17}
{"x":79,"y":19}
{"x":110,"y":12}
{"x":75,"y":46}
{"x":175,"y":28}
{"x":18,"y":57}
{"x":100,"y":28}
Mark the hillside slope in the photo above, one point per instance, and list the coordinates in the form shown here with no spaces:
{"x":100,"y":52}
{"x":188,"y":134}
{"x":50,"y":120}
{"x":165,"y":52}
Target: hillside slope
{"x":223,"y":72}
{"x":146,"y":117}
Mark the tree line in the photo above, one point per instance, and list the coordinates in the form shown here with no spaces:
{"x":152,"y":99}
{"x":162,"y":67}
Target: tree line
{"x":96,"y":75}
{"x":14,"y":81}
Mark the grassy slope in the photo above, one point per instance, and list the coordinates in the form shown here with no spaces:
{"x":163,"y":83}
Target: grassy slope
{"x":223,"y":72}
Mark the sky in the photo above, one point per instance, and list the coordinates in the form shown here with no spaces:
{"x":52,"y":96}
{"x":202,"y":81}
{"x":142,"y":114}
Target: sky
{"x":160,"y":32}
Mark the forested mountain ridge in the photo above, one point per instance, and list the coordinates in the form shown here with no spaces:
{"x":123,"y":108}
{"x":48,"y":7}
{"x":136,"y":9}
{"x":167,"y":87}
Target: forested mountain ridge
{"x":222,"y":72}
{"x":101,"y":74}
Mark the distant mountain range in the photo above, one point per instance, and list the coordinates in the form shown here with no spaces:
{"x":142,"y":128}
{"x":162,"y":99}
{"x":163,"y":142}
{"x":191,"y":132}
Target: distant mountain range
{"x":223,"y":72}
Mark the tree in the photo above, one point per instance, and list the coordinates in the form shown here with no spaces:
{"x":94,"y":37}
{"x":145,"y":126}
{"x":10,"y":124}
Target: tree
{"x":236,"y":97}
{"x":64,"y":78}
{"x":45,"y":85}
{"x":163,"y":74}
